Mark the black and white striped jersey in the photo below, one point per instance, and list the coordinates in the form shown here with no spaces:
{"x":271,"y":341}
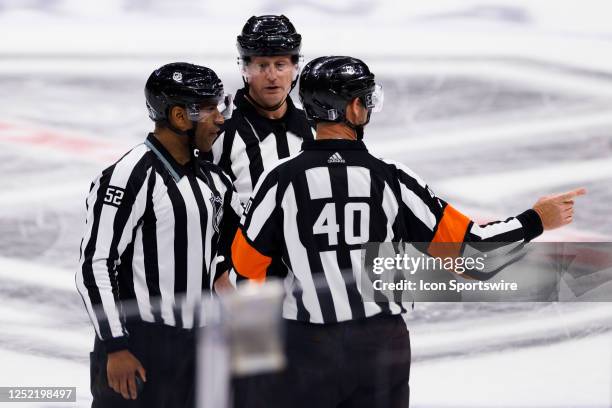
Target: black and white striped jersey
{"x":155,"y":235}
{"x":249,"y":143}
{"x":316,"y":210}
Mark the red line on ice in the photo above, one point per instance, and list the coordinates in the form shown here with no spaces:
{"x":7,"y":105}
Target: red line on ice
{"x":71,"y":144}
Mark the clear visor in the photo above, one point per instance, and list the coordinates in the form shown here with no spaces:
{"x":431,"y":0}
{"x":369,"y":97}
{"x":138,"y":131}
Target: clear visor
{"x":225,"y":106}
{"x":269,"y":67}
{"x":222,"y":105}
{"x":374,"y":101}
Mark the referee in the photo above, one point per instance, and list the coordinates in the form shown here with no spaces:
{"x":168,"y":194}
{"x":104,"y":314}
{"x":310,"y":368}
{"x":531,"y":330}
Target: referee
{"x":316,"y":210}
{"x":265,"y":126}
{"x":158,"y":223}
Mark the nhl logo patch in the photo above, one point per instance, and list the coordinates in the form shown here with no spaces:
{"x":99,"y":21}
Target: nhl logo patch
{"x":177,"y":76}
{"x":217,"y":206}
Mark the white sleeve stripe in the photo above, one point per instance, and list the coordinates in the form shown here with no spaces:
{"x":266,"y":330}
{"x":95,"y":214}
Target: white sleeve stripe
{"x":268,"y":171}
{"x":262,"y":212}
{"x":124,"y":167}
{"x":236,"y":206}
{"x":391,"y":208}
{"x":402,"y":167}
{"x":418,"y":207}
{"x":492,"y":230}
{"x":80,"y":284}
{"x":88,"y":223}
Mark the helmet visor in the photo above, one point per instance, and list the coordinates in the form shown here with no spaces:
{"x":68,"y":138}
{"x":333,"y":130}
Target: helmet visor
{"x":202,"y":110}
{"x":225,"y":106}
{"x":374,"y":101}
{"x":261,"y":66}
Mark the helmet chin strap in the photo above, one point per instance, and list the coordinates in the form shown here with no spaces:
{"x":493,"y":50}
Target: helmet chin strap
{"x":194,"y":152}
{"x":358,"y":128}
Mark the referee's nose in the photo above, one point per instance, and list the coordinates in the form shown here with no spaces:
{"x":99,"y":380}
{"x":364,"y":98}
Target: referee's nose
{"x":271,"y":73}
{"x":219,"y":119}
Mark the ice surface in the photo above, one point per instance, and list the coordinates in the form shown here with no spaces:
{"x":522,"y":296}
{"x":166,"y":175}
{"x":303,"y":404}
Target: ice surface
{"x":493,"y":104}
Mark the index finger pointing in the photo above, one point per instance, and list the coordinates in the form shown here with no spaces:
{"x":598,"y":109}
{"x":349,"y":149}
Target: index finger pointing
{"x":571,"y":194}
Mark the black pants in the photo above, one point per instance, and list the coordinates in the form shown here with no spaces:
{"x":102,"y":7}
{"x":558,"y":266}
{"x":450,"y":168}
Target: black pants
{"x":354,"y":364}
{"x":168,"y":356}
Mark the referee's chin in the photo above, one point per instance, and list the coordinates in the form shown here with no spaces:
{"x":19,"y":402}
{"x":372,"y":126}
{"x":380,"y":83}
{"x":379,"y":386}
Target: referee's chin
{"x":205,"y":142}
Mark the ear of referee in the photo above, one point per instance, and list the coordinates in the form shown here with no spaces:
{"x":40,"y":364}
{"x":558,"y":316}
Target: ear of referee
{"x":317,"y":209}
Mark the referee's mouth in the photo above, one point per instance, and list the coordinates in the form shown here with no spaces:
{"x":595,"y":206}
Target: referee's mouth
{"x":273,"y":89}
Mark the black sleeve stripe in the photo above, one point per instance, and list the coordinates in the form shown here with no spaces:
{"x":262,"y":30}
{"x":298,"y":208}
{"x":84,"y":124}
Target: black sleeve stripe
{"x":228,"y":141}
{"x":422,"y":193}
{"x":259,"y":194}
{"x":532,"y":224}
{"x":90,"y":249}
{"x":134,"y":184}
{"x":150,"y":250}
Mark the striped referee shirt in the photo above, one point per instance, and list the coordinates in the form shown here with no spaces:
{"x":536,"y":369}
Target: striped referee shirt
{"x":316,"y":210}
{"x":249,"y":143}
{"x":155,"y":236}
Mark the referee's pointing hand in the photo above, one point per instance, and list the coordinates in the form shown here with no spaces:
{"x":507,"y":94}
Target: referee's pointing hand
{"x":557,"y":210}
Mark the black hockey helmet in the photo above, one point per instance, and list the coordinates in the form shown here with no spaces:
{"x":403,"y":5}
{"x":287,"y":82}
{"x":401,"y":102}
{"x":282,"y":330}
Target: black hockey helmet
{"x":269,"y":36}
{"x":327,"y":84}
{"x":183,"y":84}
